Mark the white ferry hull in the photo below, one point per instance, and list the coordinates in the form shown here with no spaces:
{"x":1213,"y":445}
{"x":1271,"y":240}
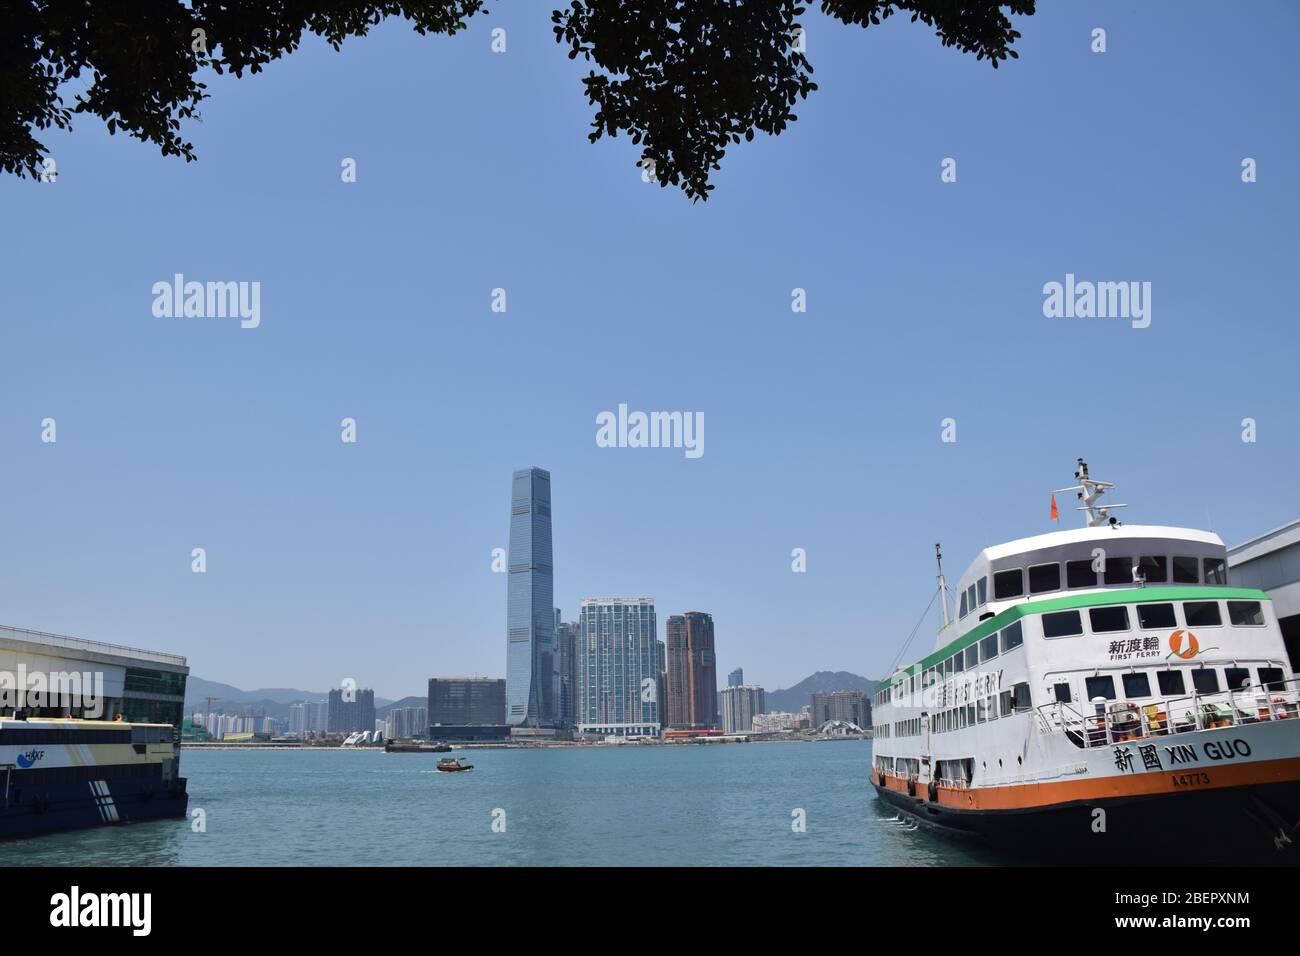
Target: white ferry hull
{"x":1229,"y":795}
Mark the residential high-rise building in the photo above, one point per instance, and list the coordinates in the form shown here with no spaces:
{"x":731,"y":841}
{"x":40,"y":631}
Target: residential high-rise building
{"x":407,"y":722}
{"x":618,"y":667}
{"x":351,"y":711}
{"x":692,"y":672}
{"x":531,"y":676}
{"x":661,"y":685}
{"x":741,"y":703}
{"x":736,"y":678}
{"x":316,"y":717}
{"x":467,"y":701}
{"x":566,"y":656}
{"x":853,"y":706}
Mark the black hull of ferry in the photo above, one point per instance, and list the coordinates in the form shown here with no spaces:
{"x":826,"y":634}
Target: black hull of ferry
{"x":78,"y":805}
{"x":1229,"y":826}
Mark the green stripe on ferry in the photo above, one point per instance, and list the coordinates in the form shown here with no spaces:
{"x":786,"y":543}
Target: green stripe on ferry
{"x":1157,"y":595}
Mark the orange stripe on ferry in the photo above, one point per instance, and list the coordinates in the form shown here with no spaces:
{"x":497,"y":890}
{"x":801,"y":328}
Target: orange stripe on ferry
{"x":1030,"y":795}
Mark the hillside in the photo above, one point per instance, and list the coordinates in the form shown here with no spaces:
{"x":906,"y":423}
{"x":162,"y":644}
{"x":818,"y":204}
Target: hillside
{"x":792,"y":699}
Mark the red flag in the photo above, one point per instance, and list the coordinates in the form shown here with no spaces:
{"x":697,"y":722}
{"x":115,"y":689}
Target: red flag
{"x":1056,"y":515}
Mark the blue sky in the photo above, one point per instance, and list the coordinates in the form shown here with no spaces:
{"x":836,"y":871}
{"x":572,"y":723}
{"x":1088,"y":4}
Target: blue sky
{"x":373,"y":560}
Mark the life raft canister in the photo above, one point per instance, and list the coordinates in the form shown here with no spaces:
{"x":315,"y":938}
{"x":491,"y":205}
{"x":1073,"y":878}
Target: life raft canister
{"x":1176,"y":644}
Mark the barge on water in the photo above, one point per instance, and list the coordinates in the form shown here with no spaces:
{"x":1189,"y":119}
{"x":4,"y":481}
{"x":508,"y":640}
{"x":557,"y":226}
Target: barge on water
{"x":1104,"y":695}
{"x":415,"y":747}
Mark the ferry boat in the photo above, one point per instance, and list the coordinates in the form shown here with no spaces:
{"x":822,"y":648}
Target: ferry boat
{"x":1103,"y":695}
{"x":64,"y":774}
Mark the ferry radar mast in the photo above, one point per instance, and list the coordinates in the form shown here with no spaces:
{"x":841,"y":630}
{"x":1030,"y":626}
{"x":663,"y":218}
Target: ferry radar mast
{"x":1088,"y":490}
{"x":943,"y":588}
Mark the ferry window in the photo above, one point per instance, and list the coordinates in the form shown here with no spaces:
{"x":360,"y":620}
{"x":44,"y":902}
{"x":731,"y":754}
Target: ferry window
{"x":1044,"y":577}
{"x":1100,"y":687}
{"x":968,"y":720}
{"x":958,"y":662}
{"x":989,"y":647}
{"x":1171,"y":682}
{"x":1118,"y":570}
{"x":961,"y":610}
{"x":1186,"y":570}
{"x":1237,"y":677}
{"x":970,"y":597}
{"x":1271,"y":677}
{"x":1156,"y":616}
{"x":1062,"y":624}
{"x":1020,"y":696}
{"x":1205,"y":680}
{"x":982,"y":591}
{"x":1079,"y":574}
{"x":1004,"y":703}
{"x":1062,"y":693}
{"x":1012,"y":636}
{"x":1154,"y":567}
{"x":982,"y":710}
{"x":972,"y":657}
{"x":1216,"y":571}
{"x":1104,"y":620}
{"x":992,"y":701}
{"x":947,"y":667}
{"x":1202,"y":614}
{"x":1137,"y":685}
{"x":1008,"y":584}
{"x":1246,"y":613}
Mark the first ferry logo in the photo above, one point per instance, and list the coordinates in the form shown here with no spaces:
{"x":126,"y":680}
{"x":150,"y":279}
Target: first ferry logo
{"x":29,"y":759}
{"x":1187,"y":652}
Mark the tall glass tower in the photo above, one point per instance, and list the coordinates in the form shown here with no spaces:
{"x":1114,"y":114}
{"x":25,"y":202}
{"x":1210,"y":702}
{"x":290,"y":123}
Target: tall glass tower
{"x":531,"y":676}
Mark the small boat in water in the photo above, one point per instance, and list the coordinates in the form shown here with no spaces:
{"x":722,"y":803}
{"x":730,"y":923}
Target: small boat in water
{"x":453,"y":764}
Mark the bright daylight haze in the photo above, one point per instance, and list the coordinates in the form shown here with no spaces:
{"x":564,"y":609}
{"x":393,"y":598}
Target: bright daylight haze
{"x":822,"y":430}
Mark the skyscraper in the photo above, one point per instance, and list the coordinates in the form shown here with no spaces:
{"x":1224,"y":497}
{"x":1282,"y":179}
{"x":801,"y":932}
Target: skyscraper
{"x":692,"y":672}
{"x":736,"y":678}
{"x":618,"y":667}
{"x":566,"y":657}
{"x":350,"y":712}
{"x":661,"y":685}
{"x":531,"y":676}
{"x":741,"y":703}
{"x":466,"y":701}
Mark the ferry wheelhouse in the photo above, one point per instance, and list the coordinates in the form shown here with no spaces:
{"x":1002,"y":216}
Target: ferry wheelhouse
{"x":1103,"y":691}
{"x":63,"y":774}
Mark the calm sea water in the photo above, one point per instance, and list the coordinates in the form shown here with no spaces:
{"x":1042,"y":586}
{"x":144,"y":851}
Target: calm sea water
{"x":722,"y":804}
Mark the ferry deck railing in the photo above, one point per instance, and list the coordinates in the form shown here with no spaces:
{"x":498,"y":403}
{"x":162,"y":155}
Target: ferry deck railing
{"x":1122,"y":721}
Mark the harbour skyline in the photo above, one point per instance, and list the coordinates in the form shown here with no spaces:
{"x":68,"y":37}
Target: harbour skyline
{"x":328,"y":560}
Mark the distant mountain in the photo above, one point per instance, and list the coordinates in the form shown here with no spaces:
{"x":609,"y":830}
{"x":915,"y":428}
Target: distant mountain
{"x":793,"y":699}
{"x":274,"y":701}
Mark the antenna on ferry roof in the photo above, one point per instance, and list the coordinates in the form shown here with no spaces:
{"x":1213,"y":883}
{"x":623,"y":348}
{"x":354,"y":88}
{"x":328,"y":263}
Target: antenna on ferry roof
{"x":1088,"y":490}
{"x":943,"y":585}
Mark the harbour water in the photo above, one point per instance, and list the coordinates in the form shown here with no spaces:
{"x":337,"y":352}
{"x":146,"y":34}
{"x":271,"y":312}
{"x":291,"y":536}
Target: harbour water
{"x":720,"y":805}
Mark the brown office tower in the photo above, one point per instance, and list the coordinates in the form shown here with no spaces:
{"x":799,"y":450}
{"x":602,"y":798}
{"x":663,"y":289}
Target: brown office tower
{"x":692,"y":672}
